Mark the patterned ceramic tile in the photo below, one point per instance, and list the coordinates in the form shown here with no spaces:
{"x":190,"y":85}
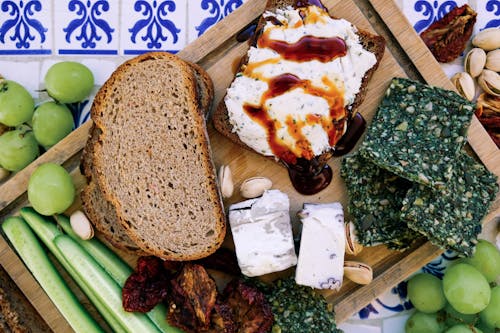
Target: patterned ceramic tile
{"x":153,"y":25}
{"x":203,"y":14}
{"x":25,"y":27}
{"x":421,"y":13}
{"x":489,"y":11}
{"x":86,"y":27}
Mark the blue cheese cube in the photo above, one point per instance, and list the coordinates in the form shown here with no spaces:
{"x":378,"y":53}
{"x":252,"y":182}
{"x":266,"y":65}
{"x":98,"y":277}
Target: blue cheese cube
{"x":322,"y":246}
{"x":262,"y":234}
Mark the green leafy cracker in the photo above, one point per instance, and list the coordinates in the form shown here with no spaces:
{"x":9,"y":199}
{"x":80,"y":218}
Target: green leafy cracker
{"x":375,"y":200}
{"x":418,"y":131}
{"x":451,"y":217}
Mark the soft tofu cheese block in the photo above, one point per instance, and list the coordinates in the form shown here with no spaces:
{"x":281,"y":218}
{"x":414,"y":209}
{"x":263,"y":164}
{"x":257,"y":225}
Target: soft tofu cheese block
{"x":262,"y":234}
{"x":322,"y":246}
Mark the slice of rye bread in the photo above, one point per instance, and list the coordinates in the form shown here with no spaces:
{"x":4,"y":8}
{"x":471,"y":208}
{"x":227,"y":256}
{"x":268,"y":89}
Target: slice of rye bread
{"x":371,"y":42}
{"x":100,"y":211}
{"x":162,"y":182}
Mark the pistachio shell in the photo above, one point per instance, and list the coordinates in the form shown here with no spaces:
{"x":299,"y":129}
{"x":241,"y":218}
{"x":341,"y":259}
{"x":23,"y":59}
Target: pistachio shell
{"x":226,"y":181}
{"x":81,"y":225}
{"x":474,"y":61}
{"x":3,"y":174}
{"x":352,"y":246}
{"x":490,"y":82}
{"x":493,"y":60}
{"x":358,"y":272}
{"x":488,"y":39}
{"x":465,"y":85}
{"x":254,"y":187}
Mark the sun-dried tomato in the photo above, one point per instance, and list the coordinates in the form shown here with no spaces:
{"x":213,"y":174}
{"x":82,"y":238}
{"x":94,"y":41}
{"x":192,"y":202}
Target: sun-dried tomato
{"x":447,"y":37}
{"x":192,"y":299}
{"x":252,"y":313}
{"x":147,"y":286}
{"x":223,"y":260}
{"x":222,"y":320}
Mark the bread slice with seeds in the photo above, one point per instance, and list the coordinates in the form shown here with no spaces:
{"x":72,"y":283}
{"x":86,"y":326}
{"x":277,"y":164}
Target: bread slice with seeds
{"x":151,"y":160}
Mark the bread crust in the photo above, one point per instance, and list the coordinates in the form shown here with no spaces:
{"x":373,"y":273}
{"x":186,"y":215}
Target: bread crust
{"x":201,"y":92}
{"x":371,"y":42}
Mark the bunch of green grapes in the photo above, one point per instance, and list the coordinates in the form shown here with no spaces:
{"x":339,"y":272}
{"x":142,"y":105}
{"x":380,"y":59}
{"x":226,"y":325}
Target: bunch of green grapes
{"x":466,"y":300}
{"x":25,"y":130}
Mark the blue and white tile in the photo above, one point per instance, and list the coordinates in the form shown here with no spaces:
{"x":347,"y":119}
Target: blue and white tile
{"x":26,"y":27}
{"x":158,"y":25}
{"x":86,"y":27}
{"x":26,"y":73}
{"x":489,"y":13}
{"x":203,"y":14}
{"x":422,"y":13}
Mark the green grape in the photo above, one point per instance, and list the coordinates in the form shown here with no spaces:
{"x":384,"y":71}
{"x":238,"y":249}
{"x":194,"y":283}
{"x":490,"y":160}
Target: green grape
{"x":491,"y":314}
{"x":16,"y":104}
{"x":69,"y":82}
{"x":51,"y":123}
{"x":421,"y":322}
{"x":466,"y":288}
{"x":18,"y":148}
{"x":453,"y":317}
{"x":50,"y":189}
{"x":426,"y":293}
{"x":486,"y":259}
{"x":485,"y":328}
{"x":463,"y":329}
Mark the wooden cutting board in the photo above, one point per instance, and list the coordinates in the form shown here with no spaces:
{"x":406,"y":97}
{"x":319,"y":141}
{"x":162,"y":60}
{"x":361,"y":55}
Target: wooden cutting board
{"x":219,"y":52}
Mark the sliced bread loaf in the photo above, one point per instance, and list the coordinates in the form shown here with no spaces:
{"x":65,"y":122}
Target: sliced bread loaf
{"x":152,"y":159}
{"x":100,"y":211}
{"x":370,"y":42}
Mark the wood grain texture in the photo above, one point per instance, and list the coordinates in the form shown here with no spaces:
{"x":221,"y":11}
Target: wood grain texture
{"x":218,"y":52}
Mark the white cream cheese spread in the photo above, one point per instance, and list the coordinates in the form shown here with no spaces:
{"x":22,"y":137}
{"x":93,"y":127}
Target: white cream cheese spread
{"x":291,"y":97}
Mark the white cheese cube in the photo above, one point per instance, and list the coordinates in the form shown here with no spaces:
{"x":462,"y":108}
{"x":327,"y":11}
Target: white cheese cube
{"x":262,"y":234}
{"x":322,"y":246}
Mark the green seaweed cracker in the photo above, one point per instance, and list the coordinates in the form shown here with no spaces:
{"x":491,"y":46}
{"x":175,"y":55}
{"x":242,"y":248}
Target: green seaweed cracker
{"x":375,"y":200}
{"x":451,"y":217}
{"x":418,"y":131}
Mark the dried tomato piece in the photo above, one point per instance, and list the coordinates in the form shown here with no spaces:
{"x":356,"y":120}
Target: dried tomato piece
{"x":223,"y":260}
{"x":192,"y":300}
{"x":222,"y":320}
{"x":147,"y":286}
{"x":447,"y":37}
{"x":252,"y":313}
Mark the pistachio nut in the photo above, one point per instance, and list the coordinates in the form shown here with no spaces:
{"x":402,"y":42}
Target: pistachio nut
{"x":254,"y":187}
{"x":4,"y":173}
{"x":488,"y":105}
{"x":474,"y":61}
{"x":226,"y":181}
{"x":488,"y":39}
{"x":464,"y":84}
{"x":493,"y":60}
{"x":81,"y":225}
{"x":352,"y":246}
{"x":490,"y":82}
{"x":358,"y":272}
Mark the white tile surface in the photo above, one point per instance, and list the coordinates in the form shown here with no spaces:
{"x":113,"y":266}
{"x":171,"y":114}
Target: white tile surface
{"x":25,"y":73}
{"x":421,"y":13}
{"x":395,"y":324}
{"x":360,"y":328}
{"x":489,"y":12}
